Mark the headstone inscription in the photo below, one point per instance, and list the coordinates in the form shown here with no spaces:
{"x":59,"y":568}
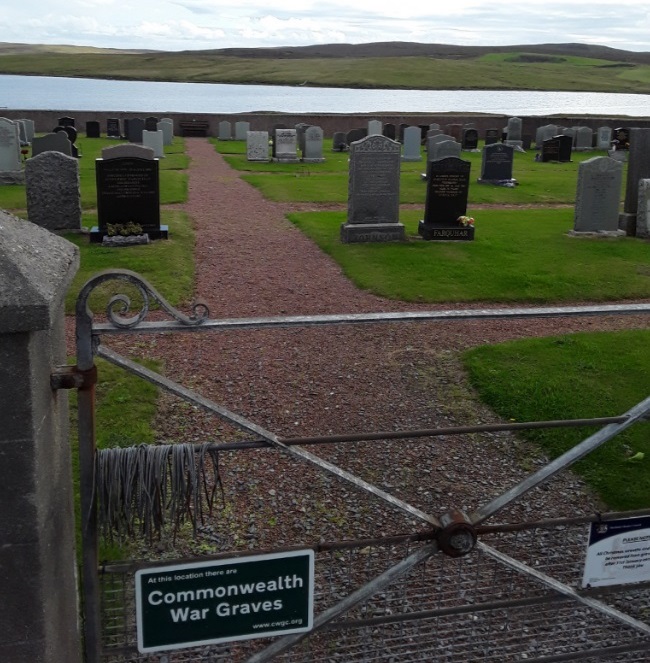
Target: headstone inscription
{"x":313,"y":145}
{"x":339,"y":142}
{"x":154,"y":140}
{"x":492,"y":136}
{"x":225,"y":130}
{"x":373,"y":192}
{"x":412,"y":136}
{"x":638,"y":168}
{"x":469,"y":140}
{"x":257,"y":146}
{"x":54,"y":142}
{"x":53,"y":192}
{"x":598,"y":195}
{"x":446,"y":201}
{"x":643,"y":210}
{"x":286,"y":145}
{"x":375,"y":127}
{"x":10,"y":166}
{"x":151,"y":123}
{"x":604,"y":141}
{"x":496,"y":165}
{"x":134,"y":129}
{"x":241,"y":129}
{"x":128,"y":197}
{"x":92,"y":129}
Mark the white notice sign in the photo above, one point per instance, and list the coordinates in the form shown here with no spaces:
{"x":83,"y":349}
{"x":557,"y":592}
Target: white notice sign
{"x":618,"y":552}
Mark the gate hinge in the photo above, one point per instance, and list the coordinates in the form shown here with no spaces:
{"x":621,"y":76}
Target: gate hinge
{"x":70,"y":377}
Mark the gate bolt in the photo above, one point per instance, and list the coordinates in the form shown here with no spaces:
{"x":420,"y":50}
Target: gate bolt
{"x":70,"y":377}
{"x":457,"y":536}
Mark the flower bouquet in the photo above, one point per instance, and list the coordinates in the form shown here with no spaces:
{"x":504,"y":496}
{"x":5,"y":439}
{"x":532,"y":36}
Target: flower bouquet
{"x":465,"y":221}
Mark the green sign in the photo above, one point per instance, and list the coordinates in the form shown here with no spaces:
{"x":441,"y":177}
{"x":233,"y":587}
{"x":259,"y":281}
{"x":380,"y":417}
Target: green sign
{"x":201,"y":603}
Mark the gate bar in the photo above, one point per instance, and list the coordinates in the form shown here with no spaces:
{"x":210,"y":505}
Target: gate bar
{"x":361,"y":594}
{"x":245,"y":424}
{"x":633,"y":415}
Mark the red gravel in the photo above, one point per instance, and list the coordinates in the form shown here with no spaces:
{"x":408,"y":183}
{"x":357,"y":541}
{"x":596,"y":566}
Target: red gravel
{"x":251,"y":261}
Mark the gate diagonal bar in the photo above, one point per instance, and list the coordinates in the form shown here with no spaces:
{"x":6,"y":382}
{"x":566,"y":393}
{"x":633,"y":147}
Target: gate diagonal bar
{"x":416,"y":593}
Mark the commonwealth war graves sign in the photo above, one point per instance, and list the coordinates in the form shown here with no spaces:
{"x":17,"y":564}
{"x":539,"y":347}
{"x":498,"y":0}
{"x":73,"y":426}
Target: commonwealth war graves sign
{"x":203,"y":603}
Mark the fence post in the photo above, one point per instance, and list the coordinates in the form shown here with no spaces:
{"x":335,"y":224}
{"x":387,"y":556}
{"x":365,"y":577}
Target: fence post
{"x":39,"y":616}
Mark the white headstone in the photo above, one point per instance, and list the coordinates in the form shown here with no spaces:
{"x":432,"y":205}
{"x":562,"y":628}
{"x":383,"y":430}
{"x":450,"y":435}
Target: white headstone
{"x":604,"y":140}
{"x":286,"y":145}
{"x":241,"y":129}
{"x":167,"y":128}
{"x":257,"y":146}
{"x":313,"y":151}
{"x":225,"y":130}
{"x":375,"y":127}
{"x":412,"y":139}
{"x":154,"y":140}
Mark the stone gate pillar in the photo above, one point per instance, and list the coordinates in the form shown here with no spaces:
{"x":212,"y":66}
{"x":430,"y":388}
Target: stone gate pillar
{"x":38,"y":607}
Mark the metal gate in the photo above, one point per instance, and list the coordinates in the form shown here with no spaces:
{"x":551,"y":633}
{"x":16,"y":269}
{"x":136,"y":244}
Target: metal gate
{"x":453,"y":589}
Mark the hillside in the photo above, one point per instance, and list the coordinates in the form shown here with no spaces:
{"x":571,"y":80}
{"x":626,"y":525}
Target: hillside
{"x":570,"y":67}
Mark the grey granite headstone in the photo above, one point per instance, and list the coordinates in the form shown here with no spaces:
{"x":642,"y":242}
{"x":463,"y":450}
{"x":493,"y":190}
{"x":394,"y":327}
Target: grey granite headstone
{"x":241,"y":129}
{"x":584,"y":139}
{"x":225,"y":130}
{"x":496,"y":164}
{"x":412,"y":139}
{"x":638,"y":168}
{"x":434,"y":140}
{"x":513,"y":131}
{"x":598,"y":195}
{"x":22,"y":132}
{"x":30,"y":129}
{"x":643,"y":210}
{"x":604,"y":140}
{"x":53,"y":191}
{"x":444,"y":149}
{"x":10,"y":166}
{"x":313,"y":145}
{"x":373,"y":191}
{"x":54,"y":142}
{"x":127,"y":150}
{"x":154,"y":140}
{"x":544,"y":133}
{"x":286,"y":145}
{"x":375,"y":128}
{"x":257,"y":146}
{"x":434,"y":125}
{"x":339,"y":141}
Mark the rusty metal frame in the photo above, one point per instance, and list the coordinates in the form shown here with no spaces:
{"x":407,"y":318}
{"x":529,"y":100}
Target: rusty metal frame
{"x":446,"y":527}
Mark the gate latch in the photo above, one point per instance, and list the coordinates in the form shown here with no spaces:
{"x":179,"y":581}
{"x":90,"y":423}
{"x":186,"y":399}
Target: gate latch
{"x":70,"y":377}
{"x":457,"y":536}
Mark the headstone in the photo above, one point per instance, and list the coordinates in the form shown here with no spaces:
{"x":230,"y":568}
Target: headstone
{"x":557,"y":148}
{"x":10,"y":165}
{"x":286,"y":145}
{"x":434,"y":140}
{"x":621,"y":138}
{"x":113,"y":127}
{"x":69,"y":131}
{"x":257,"y":146}
{"x":241,"y":129}
{"x":584,"y":139}
{"x":313,"y":145}
{"x":128,"y":192}
{"x":431,"y":133}
{"x":170,"y":122}
{"x":496,"y":165}
{"x":412,"y":144}
{"x":127,"y":150}
{"x":598,"y":195}
{"x":643,"y":210}
{"x":638,"y":168}
{"x":53,"y":191}
{"x":375,"y":128}
{"x":22,"y":133}
{"x":434,"y":125}
{"x":526,"y":141}
{"x":454,"y":130}
{"x":30,"y":129}
{"x":167,"y":129}
{"x":544,"y":133}
{"x":355,"y":134}
{"x":446,"y":201}
{"x":92,"y":129}
{"x":134,"y":129}
{"x":513,"y":132}
{"x":300,"y":128}
{"x":389,"y":131}
{"x":154,"y":140}
{"x":401,"y":130}
{"x":469,"y":140}
{"x":54,"y":142}
{"x":443,"y":149}
{"x":604,"y":141}
{"x":373,"y":191}
{"x":151,"y":123}
{"x":225,"y":130}
{"x":339,"y":142}
{"x":66,"y":121}
{"x":492,"y":136}
{"x":125,"y":127}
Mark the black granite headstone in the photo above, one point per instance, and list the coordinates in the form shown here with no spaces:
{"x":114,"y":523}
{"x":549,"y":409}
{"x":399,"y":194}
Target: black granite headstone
{"x":66,"y":121}
{"x":128,"y":191}
{"x":469,"y":139}
{"x":446,"y":201}
{"x":566,"y":145}
{"x":113,"y":127}
{"x":151,"y":123}
{"x":92,"y":129}
{"x":134,"y":130}
{"x":389,"y":130}
{"x":356,"y":134}
{"x":496,"y":165}
{"x":551,"y":149}
{"x":492,"y":136}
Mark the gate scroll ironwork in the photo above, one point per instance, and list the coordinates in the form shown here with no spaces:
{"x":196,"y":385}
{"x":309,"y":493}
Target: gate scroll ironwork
{"x":408,"y":601}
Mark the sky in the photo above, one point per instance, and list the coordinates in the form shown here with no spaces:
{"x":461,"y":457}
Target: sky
{"x":175,"y":25}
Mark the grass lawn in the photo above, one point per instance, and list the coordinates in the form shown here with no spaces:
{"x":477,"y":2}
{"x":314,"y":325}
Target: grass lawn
{"x":517,"y":256}
{"x":569,"y":377}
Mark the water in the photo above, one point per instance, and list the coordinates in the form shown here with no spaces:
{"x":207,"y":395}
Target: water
{"x":84,"y":94}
